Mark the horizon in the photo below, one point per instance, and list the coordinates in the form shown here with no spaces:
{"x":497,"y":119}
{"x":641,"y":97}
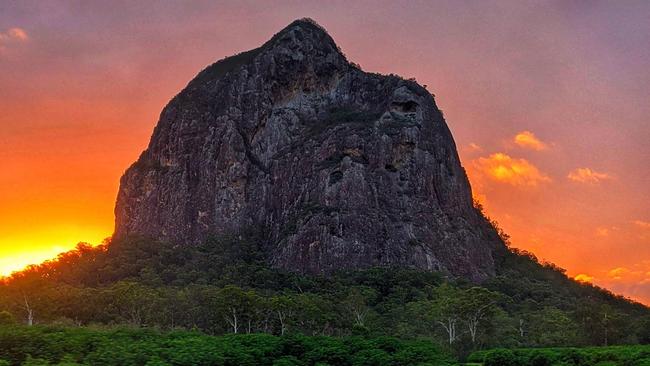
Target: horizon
{"x":85,"y":92}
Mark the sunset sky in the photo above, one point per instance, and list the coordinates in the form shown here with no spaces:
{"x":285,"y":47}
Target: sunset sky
{"x":548,"y":103}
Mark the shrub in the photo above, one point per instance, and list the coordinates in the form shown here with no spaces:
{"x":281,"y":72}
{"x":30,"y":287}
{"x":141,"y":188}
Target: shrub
{"x":43,"y":345}
{"x":644,"y":362}
{"x":540,"y":359}
{"x":501,"y":357}
{"x":6,"y":318}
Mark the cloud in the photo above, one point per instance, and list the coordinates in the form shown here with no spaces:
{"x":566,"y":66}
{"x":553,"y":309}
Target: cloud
{"x":18,"y":34}
{"x":632,"y":280}
{"x":471,"y":149}
{"x":12,"y":35}
{"x":618,"y":273}
{"x":583,"y":278}
{"x":502,"y":168}
{"x":637,"y":274}
{"x":642,"y":224}
{"x":602,"y":231}
{"x":639,"y":291}
{"x":528,"y":140}
{"x":474,"y":147}
{"x":586,"y":175}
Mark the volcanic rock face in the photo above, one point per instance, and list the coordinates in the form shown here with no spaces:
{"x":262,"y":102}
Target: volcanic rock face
{"x":338,"y":167}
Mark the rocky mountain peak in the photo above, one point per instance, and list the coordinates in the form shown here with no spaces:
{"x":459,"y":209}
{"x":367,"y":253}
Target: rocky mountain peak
{"x":336,"y":167}
{"x":304,"y":34}
{"x":303,"y":42}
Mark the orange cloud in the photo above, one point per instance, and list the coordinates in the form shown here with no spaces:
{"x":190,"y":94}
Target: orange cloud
{"x":642,"y":224}
{"x":638,"y":274}
{"x":14,"y":34}
{"x":528,"y":140}
{"x":586,"y":175}
{"x":18,"y":33}
{"x":583,"y":278}
{"x":502,"y":168}
{"x":602,"y":231}
{"x":618,"y":273}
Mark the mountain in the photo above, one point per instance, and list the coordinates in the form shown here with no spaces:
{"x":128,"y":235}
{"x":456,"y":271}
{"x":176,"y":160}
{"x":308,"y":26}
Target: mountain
{"x":337,"y":168}
{"x":349,"y":184}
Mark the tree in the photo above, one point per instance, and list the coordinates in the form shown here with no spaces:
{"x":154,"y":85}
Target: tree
{"x":236,"y":306}
{"x":501,"y":330}
{"x":445,"y":310}
{"x":356,"y":304}
{"x":441,"y":310}
{"x":28,"y":310}
{"x":284,"y":307}
{"x":644,"y":330}
{"x":477,"y":305}
{"x":553,"y":327}
{"x":7,"y":318}
{"x":315,"y":314}
{"x":133,"y":302}
{"x":602,"y":324}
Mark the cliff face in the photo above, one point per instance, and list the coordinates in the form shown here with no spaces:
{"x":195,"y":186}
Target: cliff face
{"x":338,"y":167}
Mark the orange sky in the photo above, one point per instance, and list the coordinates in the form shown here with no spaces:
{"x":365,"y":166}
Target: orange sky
{"x":547,"y":103}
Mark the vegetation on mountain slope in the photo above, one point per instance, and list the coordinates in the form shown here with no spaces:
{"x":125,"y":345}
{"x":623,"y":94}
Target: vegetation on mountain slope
{"x":224,"y":287}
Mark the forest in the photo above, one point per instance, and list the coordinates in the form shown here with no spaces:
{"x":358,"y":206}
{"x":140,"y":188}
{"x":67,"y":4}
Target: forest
{"x":224,"y":287}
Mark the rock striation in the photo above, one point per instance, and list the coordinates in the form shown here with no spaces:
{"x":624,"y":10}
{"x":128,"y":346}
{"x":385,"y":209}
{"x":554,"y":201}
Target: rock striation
{"x":339,"y":168}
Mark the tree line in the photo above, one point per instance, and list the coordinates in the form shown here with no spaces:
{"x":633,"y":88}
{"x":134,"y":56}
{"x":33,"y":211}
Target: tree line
{"x":224,"y":286}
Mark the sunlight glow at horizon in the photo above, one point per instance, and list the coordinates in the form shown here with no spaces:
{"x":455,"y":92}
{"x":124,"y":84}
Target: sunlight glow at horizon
{"x":36,"y":247}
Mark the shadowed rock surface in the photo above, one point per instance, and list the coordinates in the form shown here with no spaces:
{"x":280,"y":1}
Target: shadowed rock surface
{"x":339,"y":168}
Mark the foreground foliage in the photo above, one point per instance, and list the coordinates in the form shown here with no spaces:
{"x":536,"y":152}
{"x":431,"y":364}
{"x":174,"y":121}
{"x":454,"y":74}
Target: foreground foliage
{"x":589,"y":356}
{"x":39,"y":345}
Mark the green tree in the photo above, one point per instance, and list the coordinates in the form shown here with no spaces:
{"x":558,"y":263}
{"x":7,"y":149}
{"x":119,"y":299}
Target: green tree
{"x":443,"y":311}
{"x":7,"y":318}
{"x":356,"y":304}
{"x":477,"y":305}
{"x":553,"y":327}
{"x":133,"y":302}
{"x":236,"y":306}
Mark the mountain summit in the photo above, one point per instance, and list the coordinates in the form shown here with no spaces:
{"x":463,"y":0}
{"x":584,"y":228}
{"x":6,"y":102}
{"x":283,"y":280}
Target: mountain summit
{"x":336,"y":167}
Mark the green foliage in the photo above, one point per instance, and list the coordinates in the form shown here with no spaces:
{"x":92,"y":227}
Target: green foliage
{"x":501,"y":357}
{"x":224,"y":286}
{"x":40,"y":345}
{"x":7,"y":318}
{"x":601,"y":356}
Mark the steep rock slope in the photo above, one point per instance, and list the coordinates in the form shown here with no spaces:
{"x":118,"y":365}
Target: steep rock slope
{"x":339,"y":168}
